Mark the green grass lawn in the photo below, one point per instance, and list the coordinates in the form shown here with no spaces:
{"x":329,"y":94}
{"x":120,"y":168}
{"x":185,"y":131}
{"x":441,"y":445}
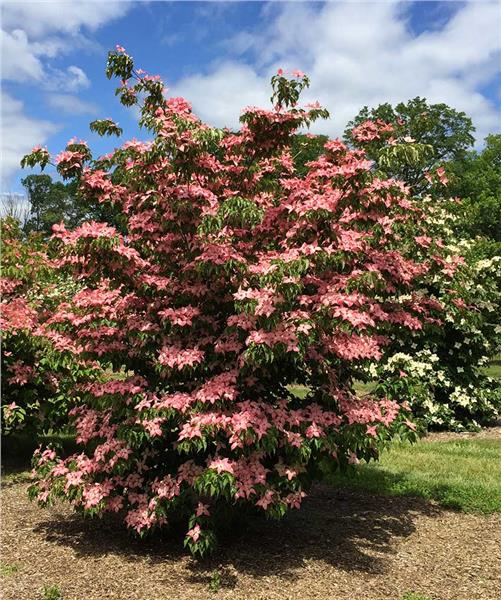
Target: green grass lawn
{"x":494,"y":369}
{"x":361,"y":388}
{"x":460,"y":474}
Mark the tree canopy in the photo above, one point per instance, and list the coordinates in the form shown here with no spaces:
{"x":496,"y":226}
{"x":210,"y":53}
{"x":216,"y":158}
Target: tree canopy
{"x":50,"y":202}
{"x":436,"y":132}
{"x":476,"y":179}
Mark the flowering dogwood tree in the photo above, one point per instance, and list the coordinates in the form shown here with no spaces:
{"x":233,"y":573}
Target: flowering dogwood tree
{"x":231,"y":279}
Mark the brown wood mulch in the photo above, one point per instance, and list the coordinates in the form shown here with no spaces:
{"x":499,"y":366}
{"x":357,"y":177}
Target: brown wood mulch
{"x":487,"y":432}
{"x":342,"y":545}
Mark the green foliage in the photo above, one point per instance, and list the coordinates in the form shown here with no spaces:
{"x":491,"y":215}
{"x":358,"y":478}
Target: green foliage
{"x":51,"y":592}
{"x":464,"y":475}
{"x":414,"y":596}
{"x":106,"y":127}
{"x":476,"y":179}
{"x":204,"y":545}
{"x":306,"y":148}
{"x":215,"y":582}
{"x":400,"y":157}
{"x":7,"y":570}
{"x":38,"y":156}
{"x":50,"y":202}
{"x":286,"y":91}
{"x":119,"y":65}
{"x":439,"y":133}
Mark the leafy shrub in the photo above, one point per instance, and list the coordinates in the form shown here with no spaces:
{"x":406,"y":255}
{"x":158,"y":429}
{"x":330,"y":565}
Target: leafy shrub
{"x":34,"y":373}
{"x":441,"y":371}
{"x":234,"y":278}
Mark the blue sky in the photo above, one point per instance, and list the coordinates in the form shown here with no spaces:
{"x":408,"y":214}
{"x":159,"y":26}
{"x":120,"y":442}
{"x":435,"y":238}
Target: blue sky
{"x":220,"y":56}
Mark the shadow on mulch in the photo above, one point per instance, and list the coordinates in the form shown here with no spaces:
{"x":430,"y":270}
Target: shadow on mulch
{"x":351,"y":530}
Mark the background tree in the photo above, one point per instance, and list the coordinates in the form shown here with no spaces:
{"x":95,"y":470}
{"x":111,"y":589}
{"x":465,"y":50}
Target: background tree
{"x":436,"y":133}
{"x":50,"y":202}
{"x":306,"y":148}
{"x":15,"y":208}
{"x":476,"y":178}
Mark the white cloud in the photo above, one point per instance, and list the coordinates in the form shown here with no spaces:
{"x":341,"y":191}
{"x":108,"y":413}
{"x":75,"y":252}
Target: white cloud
{"x":40,"y":18}
{"x":33,"y":33}
{"x":72,"y":105}
{"x":19,"y":61}
{"x":22,"y":61}
{"x":219,"y":96}
{"x":358,"y":54}
{"x":21,"y":133}
{"x":79,"y":78}
{"x":70,"y":80}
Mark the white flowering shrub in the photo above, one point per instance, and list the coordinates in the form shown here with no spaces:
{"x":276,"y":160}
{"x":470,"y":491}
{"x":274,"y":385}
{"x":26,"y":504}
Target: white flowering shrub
{"x":440,"y":396}
{"x":442,"y":374}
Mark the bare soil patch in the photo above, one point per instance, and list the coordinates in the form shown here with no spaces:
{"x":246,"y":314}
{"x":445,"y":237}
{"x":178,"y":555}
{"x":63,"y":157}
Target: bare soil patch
{"x":341,"y":545}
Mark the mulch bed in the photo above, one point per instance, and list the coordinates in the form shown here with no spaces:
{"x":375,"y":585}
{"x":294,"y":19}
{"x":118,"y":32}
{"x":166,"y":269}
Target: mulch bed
{"x":486,"y":433}
{"x":342,"y":545}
